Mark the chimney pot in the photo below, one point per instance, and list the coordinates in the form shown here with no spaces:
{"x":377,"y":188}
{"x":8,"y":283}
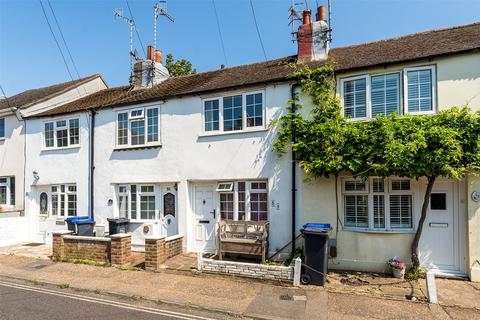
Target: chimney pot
{"x":307,"y":17}
{"x":158,"y":56}
{"x":321,"y":13}
{"x":150,"y":53}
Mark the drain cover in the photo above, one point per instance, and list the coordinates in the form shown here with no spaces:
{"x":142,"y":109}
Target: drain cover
{"x":286,"y":297}
{"x":33,"y":244}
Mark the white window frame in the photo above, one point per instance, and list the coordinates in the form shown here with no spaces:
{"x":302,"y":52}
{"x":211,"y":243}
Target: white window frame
{"x":248,"y":191}
{"x":2,"y":137}
{"x":65,"y":193}
{"x":244,"y":113}
{"x":400,"y":93}
{"x":54,"y":122}
{"x":139,"y":194}
{"x":368,"y":95}
{"x":387,"y":192}
{"x":130,"y":118}
{"x":229,"y":186}
{"x":432,"y":69}
{"x":8,"y":200}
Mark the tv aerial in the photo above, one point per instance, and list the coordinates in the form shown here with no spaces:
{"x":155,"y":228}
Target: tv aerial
{"x":118,"y":14}
{"x":159,"y":9}
{"x":294,"y":16}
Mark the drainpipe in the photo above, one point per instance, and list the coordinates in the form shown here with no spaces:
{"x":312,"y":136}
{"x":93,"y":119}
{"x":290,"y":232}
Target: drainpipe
{"x":294,"y":172}
{"x":92,"y":164}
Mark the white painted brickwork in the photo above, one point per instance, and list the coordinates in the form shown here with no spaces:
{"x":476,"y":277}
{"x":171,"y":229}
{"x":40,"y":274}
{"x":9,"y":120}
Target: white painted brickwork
{"x":250,"y":270}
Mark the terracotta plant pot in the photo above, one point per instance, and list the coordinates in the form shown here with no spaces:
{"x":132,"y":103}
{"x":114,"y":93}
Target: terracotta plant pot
{"x":398,"y":273}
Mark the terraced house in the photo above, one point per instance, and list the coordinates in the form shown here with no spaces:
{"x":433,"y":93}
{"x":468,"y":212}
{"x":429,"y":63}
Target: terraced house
{"x":175,"y":155}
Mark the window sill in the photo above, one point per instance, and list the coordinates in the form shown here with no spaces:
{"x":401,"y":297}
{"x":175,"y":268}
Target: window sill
{"x":62,"y":148}
{"x":127,"y":148}
{"x":222,"y":133}
{"x":390,"y":231}
{"x":143,"y":221}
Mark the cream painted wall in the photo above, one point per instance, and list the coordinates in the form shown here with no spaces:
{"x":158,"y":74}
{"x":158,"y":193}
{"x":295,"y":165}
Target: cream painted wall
{"x":473,"y":231}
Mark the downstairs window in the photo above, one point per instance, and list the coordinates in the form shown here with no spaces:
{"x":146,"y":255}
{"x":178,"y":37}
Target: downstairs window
{"x":244,"y":200}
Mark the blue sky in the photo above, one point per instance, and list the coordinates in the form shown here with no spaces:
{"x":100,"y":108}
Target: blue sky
{"x":29,"y":57}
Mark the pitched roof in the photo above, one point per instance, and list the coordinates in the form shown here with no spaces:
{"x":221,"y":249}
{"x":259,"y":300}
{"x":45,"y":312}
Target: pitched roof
{"x":29,"y":97}
{"x":416,"y":46}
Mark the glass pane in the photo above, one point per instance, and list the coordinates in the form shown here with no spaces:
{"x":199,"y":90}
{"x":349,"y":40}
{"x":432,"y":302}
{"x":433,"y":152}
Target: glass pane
{"x":258,"y":206}
{"x":49,"y":135}
{"x":399,"y":185}
{"x":169,"y":204}
{"x":122,"y":128}
{"x":123,"y":206}
{"x":379,"y":211}
{"x":254,"y":109}
{"x":232,"y":113}
{"x":355,"y":185}
{"x":355,"y":98}
{"x":72,"y":205}
{"x":241,"y":200}
{"x":74,"y":131}
{"x":438,"y":201}
{"x":152,"y":118}
{"x":54,"y":204}
{"x":62,"y":138}
{"x":138,"y":132}
{"x":147,"y":188}
{"x":2,"y":128}
{"x":147,"y":207}
{"x":133,"y":210}
{"x":12,"y":191}
{"x":3,"y":194}
{"x":226,"y":206}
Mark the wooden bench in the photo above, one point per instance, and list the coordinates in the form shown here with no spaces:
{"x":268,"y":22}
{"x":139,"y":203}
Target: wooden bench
{"x":243,"y":237}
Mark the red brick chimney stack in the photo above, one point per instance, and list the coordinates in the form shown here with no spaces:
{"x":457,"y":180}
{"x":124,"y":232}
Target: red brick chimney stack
{"x":312,"y":36}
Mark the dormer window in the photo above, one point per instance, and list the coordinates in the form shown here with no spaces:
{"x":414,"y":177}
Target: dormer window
{"x":240,"y":112}
{"x":138,"y":127}
{"x":63,"y":133}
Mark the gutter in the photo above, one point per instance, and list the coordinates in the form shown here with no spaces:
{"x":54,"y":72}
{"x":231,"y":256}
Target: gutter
{"x":92,"y":162}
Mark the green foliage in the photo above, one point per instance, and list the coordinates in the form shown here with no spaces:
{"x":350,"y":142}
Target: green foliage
{"x":180,"y":67}
{"x":64,"y":285}
{"x":415,"y":274}
{"x":326,"y":143}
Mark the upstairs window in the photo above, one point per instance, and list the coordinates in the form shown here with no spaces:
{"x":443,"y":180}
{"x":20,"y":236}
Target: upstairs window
{"x":138,"y":127}
{"x":355,"y":97}
{"x":2,"y":128}
{"x":61,"y":133}
{"x":7,"y":191}
{"x":234,"y":113}
{"x":419,"y":89}
{"x":386,"y":94}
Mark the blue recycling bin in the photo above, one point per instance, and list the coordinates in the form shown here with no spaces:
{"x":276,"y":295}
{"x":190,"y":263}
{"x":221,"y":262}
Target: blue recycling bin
{"x":80,"y":225}
{"x":315,"y":253}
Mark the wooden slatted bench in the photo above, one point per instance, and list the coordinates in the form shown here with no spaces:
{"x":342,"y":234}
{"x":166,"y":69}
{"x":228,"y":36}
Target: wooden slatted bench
{"x":243,"y":237}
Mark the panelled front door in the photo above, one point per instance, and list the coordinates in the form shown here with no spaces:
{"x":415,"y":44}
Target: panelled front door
{"x":169,"y":211}
{"x":440,"y":246}
{"x":205,"y":218}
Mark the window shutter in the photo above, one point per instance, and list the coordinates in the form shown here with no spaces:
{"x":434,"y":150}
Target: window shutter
{"x":419,"y":90}
{"x":385,"y":94}
{"x":400,"y":211}
{"x":355,"y":98}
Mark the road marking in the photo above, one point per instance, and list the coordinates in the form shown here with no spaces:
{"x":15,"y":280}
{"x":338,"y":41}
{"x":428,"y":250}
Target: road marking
{"x":123,"y":305}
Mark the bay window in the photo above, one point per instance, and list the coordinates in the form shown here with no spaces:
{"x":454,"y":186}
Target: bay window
{"x":244,"y":200}
{"x":234,"y":113}
{"x":7,"y":191}
{"x":378,"y":204}
{"x":138,"y":127}
{"x":61,"y":133}
{"x":64,"y":200}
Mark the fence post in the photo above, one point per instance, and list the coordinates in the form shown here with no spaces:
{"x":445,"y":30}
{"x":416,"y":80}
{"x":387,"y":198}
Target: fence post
{"x":297,"y":270}
{"x":154,"y":253}
{"x":431,"y":287}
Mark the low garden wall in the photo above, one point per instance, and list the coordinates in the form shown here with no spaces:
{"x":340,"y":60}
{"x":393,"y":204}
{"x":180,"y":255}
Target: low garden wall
{"x":252,"y":270}
{"x":115,"y":250}
{"x":159,"y":249}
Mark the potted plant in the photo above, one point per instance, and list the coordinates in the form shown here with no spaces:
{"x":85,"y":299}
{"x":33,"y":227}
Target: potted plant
{"x":398,"y":267}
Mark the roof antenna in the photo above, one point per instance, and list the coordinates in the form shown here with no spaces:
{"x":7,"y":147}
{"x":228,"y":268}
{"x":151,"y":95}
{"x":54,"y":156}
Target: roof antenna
{"x":294,"y":16}
{"x":329,"y":22}
{"x":118,"y":14}
{"x":159,"y":9}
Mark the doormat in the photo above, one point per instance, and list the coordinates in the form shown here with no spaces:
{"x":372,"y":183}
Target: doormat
{"x":33,"y":244}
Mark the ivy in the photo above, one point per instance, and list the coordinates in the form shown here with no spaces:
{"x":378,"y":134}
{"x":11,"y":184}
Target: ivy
{"x":326,"y":143}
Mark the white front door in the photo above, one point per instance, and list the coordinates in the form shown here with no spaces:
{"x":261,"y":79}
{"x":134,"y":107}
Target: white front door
{"x":169,"y":211}
{"x":205,"y":218}
{"x":43,"y":208}
{"x":440,"y":245}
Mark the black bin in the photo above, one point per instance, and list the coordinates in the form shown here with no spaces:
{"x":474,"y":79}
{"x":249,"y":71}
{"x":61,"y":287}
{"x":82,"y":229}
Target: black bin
{"x":85,"y":227}
{"x":118,"y":225}
{"x":315,"y":253}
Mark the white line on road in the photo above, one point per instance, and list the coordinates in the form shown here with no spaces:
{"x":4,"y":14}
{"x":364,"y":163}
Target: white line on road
{"x":118,"y":304}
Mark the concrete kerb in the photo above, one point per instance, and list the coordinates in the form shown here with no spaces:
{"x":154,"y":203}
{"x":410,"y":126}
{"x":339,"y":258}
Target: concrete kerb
{"x":125,"y":295}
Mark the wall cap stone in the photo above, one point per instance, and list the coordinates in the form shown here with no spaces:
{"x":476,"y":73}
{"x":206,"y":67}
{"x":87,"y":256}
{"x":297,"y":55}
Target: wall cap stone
{"x":121,"y":235}
{"x":171,"y":238}
{"x":60,"y":232}
{"x":153,"y":238}
{"x":83,"y":238}
{"x":245,"y":264}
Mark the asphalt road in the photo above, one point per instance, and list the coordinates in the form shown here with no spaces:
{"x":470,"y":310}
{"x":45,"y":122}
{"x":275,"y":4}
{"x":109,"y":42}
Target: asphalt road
{"x":23,"y":302}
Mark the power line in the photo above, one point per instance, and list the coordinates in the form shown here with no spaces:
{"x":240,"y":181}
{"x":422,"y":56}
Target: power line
{"x":136,"y":30}
{"x":63,"y":39}
{"x":258,"y":31}
{"x":220,"y":32}
{"x":56,"y":41}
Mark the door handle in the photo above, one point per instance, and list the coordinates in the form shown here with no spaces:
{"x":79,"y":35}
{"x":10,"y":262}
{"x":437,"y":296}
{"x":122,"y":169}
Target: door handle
{"x":214,"y":213}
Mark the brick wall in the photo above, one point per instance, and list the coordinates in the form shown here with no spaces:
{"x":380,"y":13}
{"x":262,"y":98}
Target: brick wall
{"x":159,"y":249}
{"x":87,"y":248}
{"x":173,"y":246}
{"x":248,"y":270}
{"x":116,"y":249}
